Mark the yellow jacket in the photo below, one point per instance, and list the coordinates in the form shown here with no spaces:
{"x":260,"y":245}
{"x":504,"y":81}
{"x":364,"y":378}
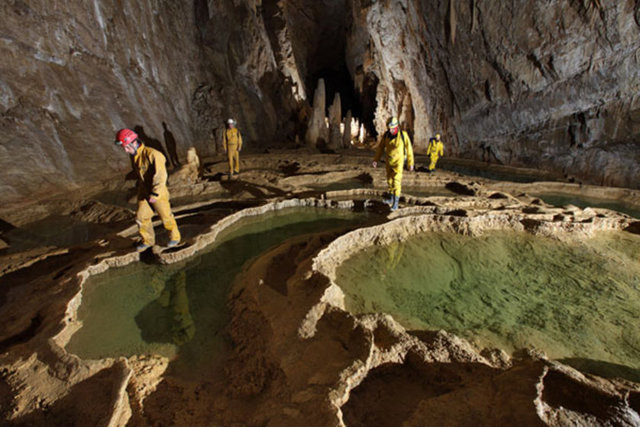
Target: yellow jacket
{"x":396,"y":148}
{"x":435,"y":148}
{"x":149,"y":165}
{"x":232,"y":138}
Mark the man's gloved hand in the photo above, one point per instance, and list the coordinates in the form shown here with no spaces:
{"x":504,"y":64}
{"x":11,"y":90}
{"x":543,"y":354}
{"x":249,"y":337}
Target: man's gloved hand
{"x":374,"y":164}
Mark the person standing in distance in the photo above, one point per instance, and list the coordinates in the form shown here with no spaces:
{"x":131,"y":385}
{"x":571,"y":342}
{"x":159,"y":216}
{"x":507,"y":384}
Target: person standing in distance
{"x":153,"y":194}
{"x":435,"y":150}
{"x":232,"y":142}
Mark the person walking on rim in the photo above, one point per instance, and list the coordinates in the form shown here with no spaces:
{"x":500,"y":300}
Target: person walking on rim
{"x":396,"y":145}
{"x":153,"y":194}
{"x":232,"y":142}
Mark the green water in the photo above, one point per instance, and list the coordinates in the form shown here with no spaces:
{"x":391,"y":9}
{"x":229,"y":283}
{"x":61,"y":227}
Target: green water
{"x":180,"y":311}
{"x":511,"y":290}
{"x":563,"y":199}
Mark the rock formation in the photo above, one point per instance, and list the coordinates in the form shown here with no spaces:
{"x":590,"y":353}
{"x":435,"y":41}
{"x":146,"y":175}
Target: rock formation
{"x":188,"y":173}
{"x":335,"y":120}
{"x":346,"y":130}
{"x":316,"y":129}
{"x":545,"y":84}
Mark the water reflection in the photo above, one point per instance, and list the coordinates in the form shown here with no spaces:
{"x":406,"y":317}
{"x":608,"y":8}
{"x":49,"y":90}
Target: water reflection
{"x":180,"y":311}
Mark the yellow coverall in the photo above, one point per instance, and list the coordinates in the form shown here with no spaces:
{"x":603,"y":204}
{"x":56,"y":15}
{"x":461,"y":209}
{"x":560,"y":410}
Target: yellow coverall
{"x":149,"y":165}
{"x":232,"y":141}
{"x":396,"y":148}
{"x":434,"y":151}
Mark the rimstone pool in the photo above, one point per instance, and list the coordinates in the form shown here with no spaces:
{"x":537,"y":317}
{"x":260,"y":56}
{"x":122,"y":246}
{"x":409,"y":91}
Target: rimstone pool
{"x":578,"y":302}
{"x":180,"y":310}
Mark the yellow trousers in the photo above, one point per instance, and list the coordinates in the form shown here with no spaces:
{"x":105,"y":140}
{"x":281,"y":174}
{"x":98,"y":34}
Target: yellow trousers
{"x":234,"y":158}
{"x":394,"y":178}
{"x":433,"y":160}
{"x":145,"y":226}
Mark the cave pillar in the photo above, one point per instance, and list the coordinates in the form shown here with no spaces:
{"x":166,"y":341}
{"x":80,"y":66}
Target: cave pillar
{"x":346,"y":133}
{"x":335,"y":120}
{"x":316,"y":129}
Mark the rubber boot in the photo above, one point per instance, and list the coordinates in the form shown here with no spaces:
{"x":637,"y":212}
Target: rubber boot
{"x":388,"y":199}
{"x":396,"y":199}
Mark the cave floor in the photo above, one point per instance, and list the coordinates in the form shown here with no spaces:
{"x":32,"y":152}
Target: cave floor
{"x":296,"y":354}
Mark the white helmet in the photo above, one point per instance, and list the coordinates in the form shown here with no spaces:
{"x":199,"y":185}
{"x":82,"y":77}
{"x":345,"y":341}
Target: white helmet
{"x":231,"y":121}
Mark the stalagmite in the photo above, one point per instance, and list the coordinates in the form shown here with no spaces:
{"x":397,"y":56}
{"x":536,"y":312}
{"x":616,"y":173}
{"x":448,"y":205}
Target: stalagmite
{"x":346,"y":133}
{"x":335,"y":119}
{"x":188,"y":173}
{"x":317,"y":130}
{"x":452,"y":22}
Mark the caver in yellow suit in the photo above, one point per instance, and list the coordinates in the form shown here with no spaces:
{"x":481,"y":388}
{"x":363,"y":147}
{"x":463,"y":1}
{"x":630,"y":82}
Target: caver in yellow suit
{"x":435,"y":150}
{"x":397,"y":146}
{"x":232,"y":141}
{"x":153,"y":194}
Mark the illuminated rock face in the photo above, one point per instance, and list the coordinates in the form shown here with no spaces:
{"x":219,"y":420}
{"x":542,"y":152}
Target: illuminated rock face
{"x":71,"y":76}
{"x":544,"y":84}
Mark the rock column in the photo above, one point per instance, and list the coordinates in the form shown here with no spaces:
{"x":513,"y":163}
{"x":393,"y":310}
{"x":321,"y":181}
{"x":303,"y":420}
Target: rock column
{"x":335,"y":120}
{"x":317,"y":129}
{"x":346,"y":135}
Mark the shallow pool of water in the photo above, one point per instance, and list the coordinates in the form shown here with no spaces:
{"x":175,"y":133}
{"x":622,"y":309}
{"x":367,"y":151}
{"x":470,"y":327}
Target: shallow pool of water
{"x":563,"y":199}
{"x":180,"y":311}
{"x":511,"y":290}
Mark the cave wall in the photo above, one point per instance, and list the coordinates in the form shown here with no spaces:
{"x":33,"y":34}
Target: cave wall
{"x":551,"y":84}
{"x":74,"y":72}
{"x":543,"y":84}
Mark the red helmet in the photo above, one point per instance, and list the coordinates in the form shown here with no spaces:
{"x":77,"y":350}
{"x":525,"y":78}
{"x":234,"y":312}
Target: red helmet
{"x":125,"y":137}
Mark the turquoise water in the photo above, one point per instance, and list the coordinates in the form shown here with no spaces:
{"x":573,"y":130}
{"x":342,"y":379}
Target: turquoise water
{"x":511,"y":290}
{"x":180,"y":311}
{"x":563,"y":199}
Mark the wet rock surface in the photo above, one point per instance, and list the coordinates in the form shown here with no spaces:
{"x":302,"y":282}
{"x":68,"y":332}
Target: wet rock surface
{"x":297,"y":355}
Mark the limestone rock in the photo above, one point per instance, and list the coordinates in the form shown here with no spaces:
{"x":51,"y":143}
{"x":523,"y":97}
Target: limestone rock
{"x":335,"y":119}
{"x":317,"y":130}
{"x":555,"y":88}
{"x":188,"y":173}
{"x":99,"y":213}
{"x":346,"y":130}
